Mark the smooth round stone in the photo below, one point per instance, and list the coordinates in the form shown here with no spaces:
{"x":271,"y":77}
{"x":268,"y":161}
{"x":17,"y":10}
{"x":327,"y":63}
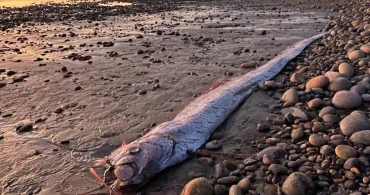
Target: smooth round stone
{"x":340,"y":84}
{"x":352,"y":162}
{"x":365,"y":97}
{"x":364,"y":82}
{"x":262,"y":127}
{"x":274,"y":152}
{"x":350,"y":184}
{"x":199,"y":186}
{"x":298,"y":184}
{"x":290,"y":96}
{"x":267,"y":160}
{"x":346,"y":100}
{"x":337,"y":137}
{"x":271,"y":84}
{"x":359,"y":89}
{"x":214,"y":145}
{"x":249,"y":65}
{"x":245,"y":184}
{"x":346,"y":69}
{"x":278,"y":169}
{"x":272,"y":141}
{"x":229,"y":180}
{"x":333,"y":75}
{"x":297,"y":134}
{"x":270,"y":189}
{"x":356,"y":54}
{"x":220,"y":189}
{"x":361,"y":137}
{"x":345,"y":152}
{"x":318,"y":82}
{"x":327,"y":110}
{"x":315,"y":103}
{"x":2,"y":84}
{"x":365,"y":33}
{"x":316,"y":140}
{"x":297,"y":78}
{"x":318,"y":128}
{"x":235,"y":190}
{"x":365,"y":48}
{"x":354,"y":122}
{"x":330,"y":118}
{"x":205,"y":161}
{"x":326,"y":150}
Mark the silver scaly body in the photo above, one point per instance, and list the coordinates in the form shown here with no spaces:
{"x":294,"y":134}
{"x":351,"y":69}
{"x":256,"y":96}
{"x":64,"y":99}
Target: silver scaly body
{"x":171,"y":142}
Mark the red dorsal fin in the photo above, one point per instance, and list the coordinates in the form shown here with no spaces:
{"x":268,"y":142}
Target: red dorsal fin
{"x":218,"y":83}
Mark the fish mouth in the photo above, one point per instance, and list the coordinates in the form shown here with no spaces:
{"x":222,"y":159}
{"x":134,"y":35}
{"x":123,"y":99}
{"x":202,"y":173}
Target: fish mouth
{"x":126,"y":171}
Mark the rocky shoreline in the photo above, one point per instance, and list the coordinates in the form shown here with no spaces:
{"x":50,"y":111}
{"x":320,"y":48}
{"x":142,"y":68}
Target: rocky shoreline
{"x":318,"y":140}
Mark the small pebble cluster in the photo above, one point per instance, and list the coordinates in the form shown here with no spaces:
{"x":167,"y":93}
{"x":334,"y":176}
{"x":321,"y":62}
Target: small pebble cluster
{"x":318,"y":141}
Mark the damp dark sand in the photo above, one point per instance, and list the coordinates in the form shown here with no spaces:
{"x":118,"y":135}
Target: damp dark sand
{"x":126,"y":74}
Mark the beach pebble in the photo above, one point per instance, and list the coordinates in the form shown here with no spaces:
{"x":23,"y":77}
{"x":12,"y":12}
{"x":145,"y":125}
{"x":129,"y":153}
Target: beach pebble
{"x":205,"y":161}
{"x":365,"y":48}
{"x":272,"y":141}
{"x":339,"y":84}
{"x":10,"y":73}
{"x":267,"y":160}
{"x":24,"y":128}
{"x":249,"y":65}
{"x":356,"y":54}
{"x":274,"y":152}
{"x":271,"y":189}
{"x":297,"y":134}
{"x":345,"y":152}
{"x":290,"y":96}
{"x":299,"y":113}
{"x":354,"y":122}
{"x":346,"y":100}
{"x":318,"y":82}
{"x":333,"y":75}
{"x":2,"y":84}
{"x":327,"y":110}
{"x":271,"y":84}
{"x":298,"y":184}
{"x":297,"y":78}
{"x":245,"y":184}
{"x":199,"y":186}
{"x":365,"y":97}
{"x":316,"y":140}
{"x":330,"y":118}
{"x":213,"y":145}
{"x":220,"y":189}
{"x":220,"y":171}
{"x":326,"y":150}
{"x":359,"y":89}
{"x":361,"y":137}
{"x":346,"y":69}
{"x":262,"y":127}
{"x":229,"y":180}
{"x":318,"y":127}
{"x":352,"y":162}
{"x":278,"y":169}
{"x":315,"y":103}
{"x":235,"y":190}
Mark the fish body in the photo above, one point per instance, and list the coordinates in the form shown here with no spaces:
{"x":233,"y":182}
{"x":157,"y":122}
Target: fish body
{"x":172,"y":142}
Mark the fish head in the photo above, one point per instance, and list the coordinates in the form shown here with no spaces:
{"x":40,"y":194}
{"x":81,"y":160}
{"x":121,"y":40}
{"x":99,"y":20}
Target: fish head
{"x":136,"y":162}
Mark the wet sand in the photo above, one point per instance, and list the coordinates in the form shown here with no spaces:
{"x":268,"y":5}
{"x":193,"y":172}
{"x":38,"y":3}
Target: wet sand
{"x":143,"y":70}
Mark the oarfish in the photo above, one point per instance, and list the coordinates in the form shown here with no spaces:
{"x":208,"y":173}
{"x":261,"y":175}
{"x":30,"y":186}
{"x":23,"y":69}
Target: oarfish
{"x":172,"y":142}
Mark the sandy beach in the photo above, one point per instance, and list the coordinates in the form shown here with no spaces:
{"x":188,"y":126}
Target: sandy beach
{"x":86,"y":85}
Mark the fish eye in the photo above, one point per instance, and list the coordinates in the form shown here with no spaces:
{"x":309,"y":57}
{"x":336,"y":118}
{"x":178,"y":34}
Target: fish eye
{"x":134,"y":150}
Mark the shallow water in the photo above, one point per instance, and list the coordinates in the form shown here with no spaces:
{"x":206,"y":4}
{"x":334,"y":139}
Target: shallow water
{"x":22,"y":3}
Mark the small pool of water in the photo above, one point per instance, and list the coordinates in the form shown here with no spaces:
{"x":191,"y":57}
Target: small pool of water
{"x":23,"y":3}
